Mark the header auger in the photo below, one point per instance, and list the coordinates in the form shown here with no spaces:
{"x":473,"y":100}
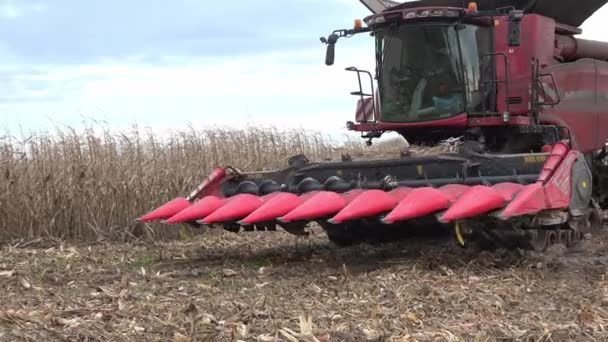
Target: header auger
{"x":526,"y":99}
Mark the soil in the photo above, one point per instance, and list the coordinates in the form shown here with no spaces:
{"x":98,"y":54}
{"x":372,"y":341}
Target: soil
{"x":272,"y":286}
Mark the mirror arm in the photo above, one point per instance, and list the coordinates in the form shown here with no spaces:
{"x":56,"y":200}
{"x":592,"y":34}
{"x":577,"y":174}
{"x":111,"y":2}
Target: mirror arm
{"x":346,"y":33}
{"x":332,"y":39}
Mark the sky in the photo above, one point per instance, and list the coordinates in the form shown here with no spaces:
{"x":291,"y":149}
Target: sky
{"x":170,"y":65}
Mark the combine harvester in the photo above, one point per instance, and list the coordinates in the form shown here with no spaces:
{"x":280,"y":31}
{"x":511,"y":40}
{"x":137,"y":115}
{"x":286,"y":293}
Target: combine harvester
{"x":526,"y":97}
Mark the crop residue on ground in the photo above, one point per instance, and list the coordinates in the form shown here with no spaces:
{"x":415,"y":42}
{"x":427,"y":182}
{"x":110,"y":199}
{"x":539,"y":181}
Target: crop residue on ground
{"x":270,"y":286}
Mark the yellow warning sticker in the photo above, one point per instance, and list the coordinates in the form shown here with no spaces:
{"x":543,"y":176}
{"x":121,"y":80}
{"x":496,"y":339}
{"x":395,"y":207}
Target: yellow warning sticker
{"x":534,"y":159}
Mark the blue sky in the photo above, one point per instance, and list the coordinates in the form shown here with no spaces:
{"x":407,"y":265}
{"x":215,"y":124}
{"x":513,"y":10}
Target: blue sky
{"x":167,"y":65}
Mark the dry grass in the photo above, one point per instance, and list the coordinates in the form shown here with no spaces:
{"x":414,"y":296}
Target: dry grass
{"x":92,"y":184}
{"x":261,"y":287}
{"x":81,"y":185}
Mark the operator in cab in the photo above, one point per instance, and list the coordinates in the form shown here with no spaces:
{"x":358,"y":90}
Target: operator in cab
{"x":423,"y":80}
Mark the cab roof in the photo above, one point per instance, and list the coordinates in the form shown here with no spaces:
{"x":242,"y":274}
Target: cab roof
{"x":569,"y":12}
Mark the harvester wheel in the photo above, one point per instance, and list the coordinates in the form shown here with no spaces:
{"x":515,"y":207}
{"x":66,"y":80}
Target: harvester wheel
{"x":570,"y":238}
{"x":553,"y":237}
{"x":538,"y":239}
{"x":595,"y":218}
{"x":590,"y":223}
{"x":563,"y":237}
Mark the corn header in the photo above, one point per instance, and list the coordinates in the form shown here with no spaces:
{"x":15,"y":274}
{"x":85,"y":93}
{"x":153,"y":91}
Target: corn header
{"x":510,"y":80}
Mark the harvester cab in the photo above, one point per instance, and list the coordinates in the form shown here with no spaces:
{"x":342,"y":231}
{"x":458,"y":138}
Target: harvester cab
{"x":508,"y":78}
{"x":450,"y":66}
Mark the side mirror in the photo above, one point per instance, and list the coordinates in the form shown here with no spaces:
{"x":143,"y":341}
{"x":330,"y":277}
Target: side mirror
{"x":330,"y":54}
{"x":331,"y":48}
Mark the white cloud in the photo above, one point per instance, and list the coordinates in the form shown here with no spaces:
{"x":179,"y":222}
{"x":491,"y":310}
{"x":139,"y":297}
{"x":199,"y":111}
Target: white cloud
{"x":11,"y":9}
{"x":249,"y":76}
{"x":267,"y":89}
{"x":290,"y":88}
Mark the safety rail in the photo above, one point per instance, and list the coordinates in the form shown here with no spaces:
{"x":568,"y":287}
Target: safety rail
{"x":495,"y":81}
{"x":361,"y":93}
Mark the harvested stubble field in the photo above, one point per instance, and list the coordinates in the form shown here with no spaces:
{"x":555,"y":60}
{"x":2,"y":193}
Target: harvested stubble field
{"x":74,"y":266}
{"x":266,"y":286}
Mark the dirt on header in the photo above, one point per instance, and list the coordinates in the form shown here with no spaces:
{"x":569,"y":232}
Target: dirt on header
{"x":270,"y":286}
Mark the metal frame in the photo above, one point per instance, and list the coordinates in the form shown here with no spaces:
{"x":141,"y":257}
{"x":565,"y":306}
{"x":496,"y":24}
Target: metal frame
{"x":361,"y":93}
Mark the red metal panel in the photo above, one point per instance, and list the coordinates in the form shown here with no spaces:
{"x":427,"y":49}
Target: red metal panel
{"x":365,"y":110}
{"x":324,"y":203}
{"x":478,"y":200}
{"x":210,"y":186}
{"x":547,"y":193}
{"x":602,"y":102}
{"x":238,"y":207}
{"x":455,"y":121}
{"x":536,"y":41}
{"x":578,"y":108}
{"x":198,"y":210}
{"x":371,"y":203}
{"x":569,"y":12}
{"x":277,"y":206}
{"x":166,"y":210}
{"x":420,"y":202}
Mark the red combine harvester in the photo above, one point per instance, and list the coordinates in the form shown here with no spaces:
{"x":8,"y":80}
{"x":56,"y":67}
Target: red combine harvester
{"x":526,"y":98}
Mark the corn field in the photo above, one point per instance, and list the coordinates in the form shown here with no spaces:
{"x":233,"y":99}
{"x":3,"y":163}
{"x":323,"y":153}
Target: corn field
{"x":81,"y":185}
